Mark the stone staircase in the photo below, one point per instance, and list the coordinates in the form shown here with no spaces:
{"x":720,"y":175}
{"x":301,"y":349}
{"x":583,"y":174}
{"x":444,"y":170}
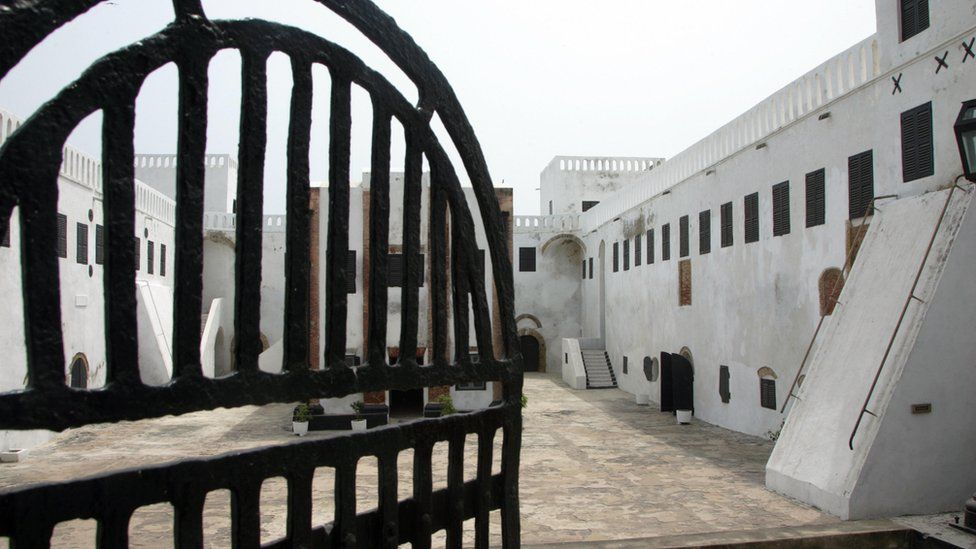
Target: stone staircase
{"x":599,"y":372}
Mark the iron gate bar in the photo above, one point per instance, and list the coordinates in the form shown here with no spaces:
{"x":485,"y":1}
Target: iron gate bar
{"x":379,"y":231}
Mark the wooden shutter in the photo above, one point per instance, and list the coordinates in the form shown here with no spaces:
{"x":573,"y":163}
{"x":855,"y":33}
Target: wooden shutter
{"x":914,"y":17}
{"x":627,"y":254}
{"x":860,"y":184}
{"x":781,"y":208}
{"x":767,"y":393}
{"x":650,"y":246}
{"x":637,"y":251}
{"x":527,"y":260}
{"x":666,"y":242}
{"x":150,"y":256}
{"x":683,"y":236}
{"x":751,"y":208}
{"x":394,"y":276}
{"x":816,"y":198}
{"x":162,"y":260}
{"x":99,"y":245}
{"x":62,"y":236}
{"x":726,"y":216}
{"x":591,"y":268}
{"x":705,"y":232}
{"x":917,"y":154}
{"x":81,"y":246}
{"x":616,"y":256}
{"x":584,"y":269}
{"x":351,"y":271}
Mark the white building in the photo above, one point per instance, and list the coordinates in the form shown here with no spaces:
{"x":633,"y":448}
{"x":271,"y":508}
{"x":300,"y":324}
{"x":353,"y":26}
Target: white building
{"x":725,"y":256}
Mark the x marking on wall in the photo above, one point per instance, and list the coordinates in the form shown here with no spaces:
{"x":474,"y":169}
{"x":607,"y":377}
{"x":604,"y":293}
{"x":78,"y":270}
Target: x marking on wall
{"x":897,"y":82}
{"x":969,"y":49}
{"x":942,"y":62}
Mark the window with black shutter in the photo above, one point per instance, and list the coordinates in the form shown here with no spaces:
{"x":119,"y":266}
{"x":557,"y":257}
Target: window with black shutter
{"x":395,"y":270}
{"x":723,"y":384}
{"x":351,"y":271}
{"x":584,"y":270}
{"x":917,"y":155}
{"x":767,"y":393}
{"x":587,"y":204}
{"x":860,"y":183}
{"x":150,"y":256}
{"x":816,"y":198}
{"x":616,"y":256}
{"x":138,"y":253}
{"x":162,"y":260}
{"x":705,"y":232}
{"x":726,"y":215}
{"x":751,"y":209}
{"x":650,"y":246}
{"x":625,"y":365}
{"x":81,"y":246}
{"x":527,"y":260}
{"x":62,"y":236}
{"x":99,"y":245}
{"x":637,"y":251}
{"x":591,"y":268}
{"x":550,"y":207}
{"x":666,"y":242}
{"x":353,"y":360}
{"x":683,"y":236}
{"x":627,"y":254}
{"x":781,"y":208}
{"x":914,"y":17}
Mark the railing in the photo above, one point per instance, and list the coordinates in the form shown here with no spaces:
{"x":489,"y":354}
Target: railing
{"x":29,"y":167}
{"x":218,"y":221}
{"x":624,"y":164}
{"x":169,"y":161}
{"x":839,"y":76}
{"x":546,"y":223}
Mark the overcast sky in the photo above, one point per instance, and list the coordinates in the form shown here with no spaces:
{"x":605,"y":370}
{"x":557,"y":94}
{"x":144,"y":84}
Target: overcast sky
{"x":537,"y":78}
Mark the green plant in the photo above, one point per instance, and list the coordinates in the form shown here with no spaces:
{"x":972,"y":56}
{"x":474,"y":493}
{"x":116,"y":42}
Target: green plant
{"x":524,"y":401}
{"x":302,"y":413}
{"x":359,"y":407}
{"x":447,"y":405}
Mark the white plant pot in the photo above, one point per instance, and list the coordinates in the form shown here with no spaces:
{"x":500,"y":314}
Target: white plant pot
{"x":643,"y":399}
{"x":683,"y":417}
{"x":359,"y":425}
{"x":300,"y":428}
{"x":13,"y":455}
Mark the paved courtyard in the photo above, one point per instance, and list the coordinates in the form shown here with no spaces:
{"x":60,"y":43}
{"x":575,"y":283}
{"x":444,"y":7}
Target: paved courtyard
{"x":594,"y":467}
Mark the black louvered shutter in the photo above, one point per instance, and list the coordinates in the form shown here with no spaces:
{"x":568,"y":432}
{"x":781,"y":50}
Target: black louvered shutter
{"x":860,"y":185}
{"x":81,"y":246}
{"x":650,"y":246}
{"x":162,"y":260}
{"x":781,"y":208}
{"x":751,"y":209}
{"x":99,"y":245}
{"x":616,"y":256}
{"x":726,"y":224}
{"x":917,"y":154}
{"x":705,"y":232}
{"x":914,"y":17}
{"x":351,"y":271}
{"x":394,"y":270}
{"x":150,"y":256}
{"x":62,"y":236}
{"x":816,"y":198}
{"x":666,"y":242}
{"x":683,"y":236}
{"x":584,"y":270}
{"x":723,"y":383}
{"x":637,"y":251}
{"x":591,"y":268}
{"x":627,"y":254}
{"x":767,"y":393}
{"x":527,"y":260}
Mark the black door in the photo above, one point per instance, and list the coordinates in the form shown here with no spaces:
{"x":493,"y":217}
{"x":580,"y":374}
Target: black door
{"x":667,"y":390}
{"x":683,"y":383}
{"x":530,"y":353}
{"x":79,"y":374}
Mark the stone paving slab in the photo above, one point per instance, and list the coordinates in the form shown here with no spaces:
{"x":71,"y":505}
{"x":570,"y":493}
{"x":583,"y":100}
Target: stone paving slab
{"x":594,"y":467}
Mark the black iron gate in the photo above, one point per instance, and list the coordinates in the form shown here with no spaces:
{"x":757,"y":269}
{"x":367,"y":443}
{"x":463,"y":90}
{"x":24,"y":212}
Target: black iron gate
{"x":29,"y":165}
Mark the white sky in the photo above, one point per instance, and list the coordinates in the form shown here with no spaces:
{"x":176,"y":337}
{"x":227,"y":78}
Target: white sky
{"x":537,"y":78}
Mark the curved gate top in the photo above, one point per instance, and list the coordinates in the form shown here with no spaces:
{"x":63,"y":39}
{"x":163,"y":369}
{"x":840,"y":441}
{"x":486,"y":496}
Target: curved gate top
{"x":29,"y":165}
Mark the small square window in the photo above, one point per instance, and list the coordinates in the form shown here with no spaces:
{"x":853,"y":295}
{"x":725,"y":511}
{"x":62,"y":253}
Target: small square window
{"x":527,"y":260}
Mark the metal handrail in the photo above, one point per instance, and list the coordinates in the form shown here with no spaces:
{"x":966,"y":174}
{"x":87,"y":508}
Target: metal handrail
{"x":901,"y":318}
{"x":848,"y":262}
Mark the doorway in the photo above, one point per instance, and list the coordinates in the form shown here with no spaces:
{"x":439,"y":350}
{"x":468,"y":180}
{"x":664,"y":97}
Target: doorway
{"x":677,"y":383}
{"x":530,"y":353}
{"x":79,"y":372}
{"x":409,"y":403}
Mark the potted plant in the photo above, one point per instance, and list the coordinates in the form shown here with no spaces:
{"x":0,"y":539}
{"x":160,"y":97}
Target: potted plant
{"x":447,"y":405}
{"x":358,"y":422}
{"x":299,"y":419}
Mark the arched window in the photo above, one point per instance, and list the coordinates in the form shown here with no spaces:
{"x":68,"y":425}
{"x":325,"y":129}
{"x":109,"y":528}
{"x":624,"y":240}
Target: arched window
{"x":831,"y":283}
{"x":79,"y":372}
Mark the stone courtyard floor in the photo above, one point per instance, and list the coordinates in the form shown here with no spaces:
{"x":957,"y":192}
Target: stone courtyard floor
{"x":594,"y":467}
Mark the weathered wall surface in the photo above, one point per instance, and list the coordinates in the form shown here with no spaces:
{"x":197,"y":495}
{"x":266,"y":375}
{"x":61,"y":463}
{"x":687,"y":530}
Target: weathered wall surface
{"x":930,"y":454}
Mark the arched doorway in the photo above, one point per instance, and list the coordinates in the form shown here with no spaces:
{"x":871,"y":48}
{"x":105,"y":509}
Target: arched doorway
{"x":79,"y":372}
{"x":530,"y":352}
